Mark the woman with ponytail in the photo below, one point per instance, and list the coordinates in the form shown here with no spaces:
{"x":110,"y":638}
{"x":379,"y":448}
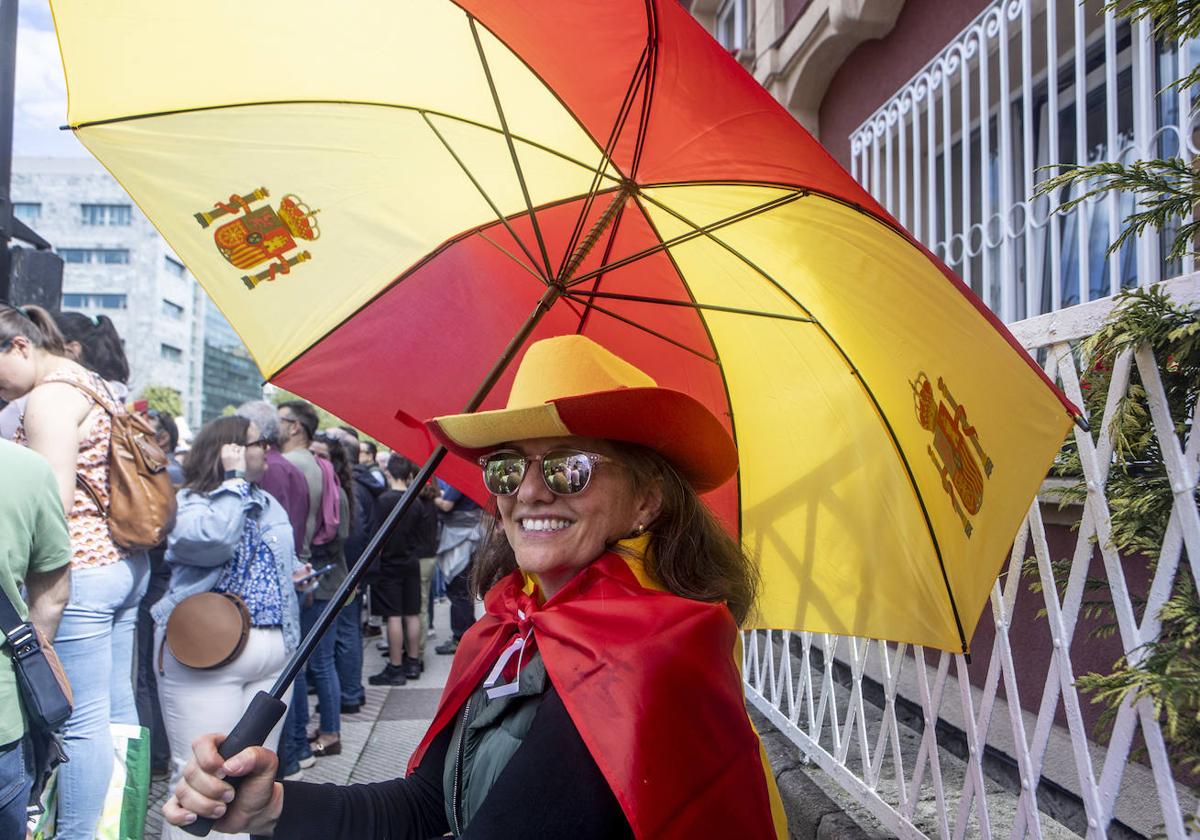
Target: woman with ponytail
{"x":93,"y":341}
{"x":67,"y":420}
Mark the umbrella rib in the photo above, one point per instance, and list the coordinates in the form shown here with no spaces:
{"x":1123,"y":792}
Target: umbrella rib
{"x":707,"y":232}
{"x":690,"y":235}
{"x":603,"y":311}
{"x":648,"y":91}
{"x":364,"y":103}
{"x":711,"y":307}
{"x":512,"y":256}
{"x":486,"y":197}
{"x":512,"y":149}
{"x":606,"y":154}
{"x":937,"y":548}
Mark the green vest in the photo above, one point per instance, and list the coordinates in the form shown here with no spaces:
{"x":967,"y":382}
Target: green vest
{"x":486,"y":735}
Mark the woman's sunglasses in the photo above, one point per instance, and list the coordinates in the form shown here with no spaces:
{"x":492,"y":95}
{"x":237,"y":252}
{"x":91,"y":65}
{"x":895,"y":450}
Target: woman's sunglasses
{"x":565,"y":471}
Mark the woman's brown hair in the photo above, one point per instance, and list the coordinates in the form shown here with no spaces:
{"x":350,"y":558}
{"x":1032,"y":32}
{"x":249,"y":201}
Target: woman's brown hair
{"x":203,"y":471}
{"x":690,"y":553}
{"x":35,"y":324}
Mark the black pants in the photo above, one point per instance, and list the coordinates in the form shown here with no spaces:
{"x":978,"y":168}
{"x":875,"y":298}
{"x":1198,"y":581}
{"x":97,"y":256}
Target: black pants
{"x":149,"y":711}
{"x":462,"y":605}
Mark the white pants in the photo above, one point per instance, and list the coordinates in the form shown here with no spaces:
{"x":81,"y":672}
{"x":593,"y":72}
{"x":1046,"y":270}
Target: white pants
{"x":197,"y":702}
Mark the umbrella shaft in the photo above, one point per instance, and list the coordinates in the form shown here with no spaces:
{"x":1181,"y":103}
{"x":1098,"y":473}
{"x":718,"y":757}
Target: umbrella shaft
{"x":589,"y":241}
{"x":355,"y":575}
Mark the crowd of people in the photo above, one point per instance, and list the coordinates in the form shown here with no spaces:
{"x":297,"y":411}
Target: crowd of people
{"x":271,"y":512}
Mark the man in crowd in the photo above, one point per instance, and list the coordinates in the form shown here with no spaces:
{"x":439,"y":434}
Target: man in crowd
{"x":462,"y":529}
{"x":298,"y":423}
{"x":36,"y":553}
{"x":348,"y":653}
{"x":283,"y":479}
{"x":368,"y":461}
{"x":166,"y":435}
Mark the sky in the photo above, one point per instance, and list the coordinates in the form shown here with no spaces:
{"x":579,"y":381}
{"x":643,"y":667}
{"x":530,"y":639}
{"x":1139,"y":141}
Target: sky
{"x":41,"y":95}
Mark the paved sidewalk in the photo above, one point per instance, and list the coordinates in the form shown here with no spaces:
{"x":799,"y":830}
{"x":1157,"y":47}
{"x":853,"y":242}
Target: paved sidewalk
{"x":376,"y":742}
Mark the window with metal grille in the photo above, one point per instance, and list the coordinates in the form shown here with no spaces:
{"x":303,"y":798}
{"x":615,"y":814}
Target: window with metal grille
{"x":959,"y":169}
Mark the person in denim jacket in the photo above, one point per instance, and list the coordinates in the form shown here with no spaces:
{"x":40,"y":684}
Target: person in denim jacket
{"x":229,"y":536}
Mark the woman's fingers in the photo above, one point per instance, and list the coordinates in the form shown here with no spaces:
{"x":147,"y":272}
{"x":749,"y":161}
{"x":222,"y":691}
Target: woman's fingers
{"x":190,"y":801}
{"x":176,"y":814}
{"x":233,"y":456}
{"x":205,"y":754}
{"x":201,"y":789}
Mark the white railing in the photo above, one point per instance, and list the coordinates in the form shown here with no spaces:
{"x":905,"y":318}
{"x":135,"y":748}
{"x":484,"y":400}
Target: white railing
{"x":957,"y":152}
{"x":894,"y":756}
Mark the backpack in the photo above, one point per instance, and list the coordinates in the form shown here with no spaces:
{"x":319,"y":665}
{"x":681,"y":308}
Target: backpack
{"x":141,"y":498}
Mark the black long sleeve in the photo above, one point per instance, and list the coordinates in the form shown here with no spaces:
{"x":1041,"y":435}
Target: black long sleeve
{"x":551,"y":788}
{"x":400,"y":809}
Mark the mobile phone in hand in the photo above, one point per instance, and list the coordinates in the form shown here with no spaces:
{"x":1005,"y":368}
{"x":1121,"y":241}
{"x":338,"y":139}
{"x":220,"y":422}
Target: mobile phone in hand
{"x":315,"y":573}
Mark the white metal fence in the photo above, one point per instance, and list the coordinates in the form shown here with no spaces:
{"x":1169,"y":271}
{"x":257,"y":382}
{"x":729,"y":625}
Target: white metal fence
{"x":956,"y":154}
{"x":893,"y":754}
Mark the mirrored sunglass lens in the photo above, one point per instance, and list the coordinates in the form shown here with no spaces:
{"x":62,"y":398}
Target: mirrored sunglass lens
{"x":566,"y":472}
{"x":502,"y":474}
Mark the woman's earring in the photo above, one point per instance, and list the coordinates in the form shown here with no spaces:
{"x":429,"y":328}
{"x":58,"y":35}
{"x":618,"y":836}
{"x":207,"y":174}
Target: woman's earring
{"x":640,"y":529}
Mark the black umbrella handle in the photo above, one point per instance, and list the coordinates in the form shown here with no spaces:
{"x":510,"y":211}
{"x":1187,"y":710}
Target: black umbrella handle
{"x":251,"y":731}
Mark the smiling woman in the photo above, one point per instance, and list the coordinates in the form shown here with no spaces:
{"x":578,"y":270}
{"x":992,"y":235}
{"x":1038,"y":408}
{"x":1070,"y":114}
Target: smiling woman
{"x":609,"y":587}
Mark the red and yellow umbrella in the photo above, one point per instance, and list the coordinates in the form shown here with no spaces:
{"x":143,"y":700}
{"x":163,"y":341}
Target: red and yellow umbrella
{"x":378,"y":195}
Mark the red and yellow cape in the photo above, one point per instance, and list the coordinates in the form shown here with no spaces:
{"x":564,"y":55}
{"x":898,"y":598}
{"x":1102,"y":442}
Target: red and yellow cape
{"x":651,"y":683}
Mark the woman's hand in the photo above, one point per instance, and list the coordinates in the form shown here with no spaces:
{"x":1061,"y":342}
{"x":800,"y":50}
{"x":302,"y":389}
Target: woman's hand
{"x":202,"y":791}
{"x":298,"y":576}
{"x":233,"y":456}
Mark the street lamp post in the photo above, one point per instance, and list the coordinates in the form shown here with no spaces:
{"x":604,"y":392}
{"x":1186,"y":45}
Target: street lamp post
{"x":8,"y":77}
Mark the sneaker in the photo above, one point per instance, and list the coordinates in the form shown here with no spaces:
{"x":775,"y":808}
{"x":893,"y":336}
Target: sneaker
{"x":306,"y":762}
{"x":447,"y":647}
{"x":382,"y":644}
{"x":432,"y":634}
{"x":390,"y":675}
{"x":160,"y":774}
{"x":412,"y":668}
{"x":296,"y":775}
{"x":351,"y":708}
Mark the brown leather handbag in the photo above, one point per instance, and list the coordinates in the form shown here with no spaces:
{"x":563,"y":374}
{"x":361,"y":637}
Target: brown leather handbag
{"x":141,"y":498}
{"x":208,"y":630}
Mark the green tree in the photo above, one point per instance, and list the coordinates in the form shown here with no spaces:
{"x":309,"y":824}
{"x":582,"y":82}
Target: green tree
{"x":163,"y":398}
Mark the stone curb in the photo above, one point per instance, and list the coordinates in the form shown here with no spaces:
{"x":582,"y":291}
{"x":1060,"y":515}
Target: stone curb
{"x":811,"y":814}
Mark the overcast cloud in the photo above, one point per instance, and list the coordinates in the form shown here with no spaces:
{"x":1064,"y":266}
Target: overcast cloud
{"x":41,"y":95}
